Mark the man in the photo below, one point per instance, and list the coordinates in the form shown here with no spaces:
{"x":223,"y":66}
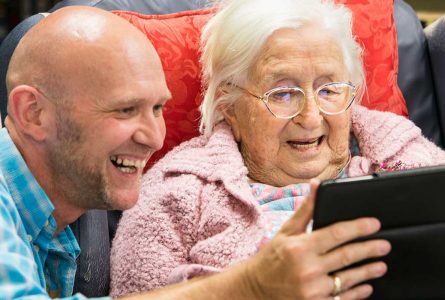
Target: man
{"x":85,"y":113}
{"x":86,"y":92}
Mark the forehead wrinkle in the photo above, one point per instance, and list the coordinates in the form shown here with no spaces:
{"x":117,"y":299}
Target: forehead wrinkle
{"x":283,"y":70}
{"x":285,"y":57}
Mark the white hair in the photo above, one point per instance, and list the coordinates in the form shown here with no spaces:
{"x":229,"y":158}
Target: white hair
{"x":232,"y":39}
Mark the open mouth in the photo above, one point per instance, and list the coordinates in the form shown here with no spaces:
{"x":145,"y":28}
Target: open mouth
{"x":127,"y":165}
{"x":306,"y":144}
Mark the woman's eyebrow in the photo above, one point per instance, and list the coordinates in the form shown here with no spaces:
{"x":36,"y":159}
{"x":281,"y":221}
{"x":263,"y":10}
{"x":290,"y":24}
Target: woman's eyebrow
{"x":280,"y":74}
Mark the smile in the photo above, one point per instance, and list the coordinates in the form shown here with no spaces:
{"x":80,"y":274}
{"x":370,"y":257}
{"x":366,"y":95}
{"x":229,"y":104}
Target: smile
{"x":306,"y":144}
{"x":127,"y":165}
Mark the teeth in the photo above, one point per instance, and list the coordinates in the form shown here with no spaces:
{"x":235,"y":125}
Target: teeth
{"x":127,"y":170}
{"x":126,"y":164}
{"x":306,"y":145}
{"x":140,"y":164}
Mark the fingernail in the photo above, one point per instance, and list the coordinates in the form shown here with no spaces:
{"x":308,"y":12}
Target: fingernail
{"x":379,"y":268}
{"x":385,"y":248}
{"x":374,"y":223}
{"x":366,"y":291}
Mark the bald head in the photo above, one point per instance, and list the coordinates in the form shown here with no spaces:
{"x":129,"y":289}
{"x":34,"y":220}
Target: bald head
{"x":77,"y":49}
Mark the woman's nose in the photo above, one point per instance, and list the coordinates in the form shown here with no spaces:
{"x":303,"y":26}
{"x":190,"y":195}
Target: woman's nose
{"x":310,"y":116}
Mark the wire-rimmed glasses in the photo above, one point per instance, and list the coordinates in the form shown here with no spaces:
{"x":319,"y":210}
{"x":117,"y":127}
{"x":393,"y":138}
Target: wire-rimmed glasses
{"x":287,"y":102}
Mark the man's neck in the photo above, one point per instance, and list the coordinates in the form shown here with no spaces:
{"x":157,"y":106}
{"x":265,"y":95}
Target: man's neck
{"x":64,"y":212}
{"x":65,"y":215}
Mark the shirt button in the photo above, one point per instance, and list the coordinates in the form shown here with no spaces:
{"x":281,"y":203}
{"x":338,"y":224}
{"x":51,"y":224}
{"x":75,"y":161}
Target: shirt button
{"x":46,"y":223}
{"x":29,"y":237}
{"x":37,"y":248}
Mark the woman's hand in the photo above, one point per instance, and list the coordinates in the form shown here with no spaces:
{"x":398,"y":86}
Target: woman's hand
{"x":296,"y":265}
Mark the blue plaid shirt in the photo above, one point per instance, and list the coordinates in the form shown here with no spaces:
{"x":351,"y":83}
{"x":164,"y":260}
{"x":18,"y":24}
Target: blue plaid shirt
{"x":33,"y":263}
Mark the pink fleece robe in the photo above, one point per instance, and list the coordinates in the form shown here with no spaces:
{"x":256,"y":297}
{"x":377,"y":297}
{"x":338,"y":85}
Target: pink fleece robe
{"x":196,"y":213}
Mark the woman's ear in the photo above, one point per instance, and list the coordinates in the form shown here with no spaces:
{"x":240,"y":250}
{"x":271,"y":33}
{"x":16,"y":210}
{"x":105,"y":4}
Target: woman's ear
{"x":230,"y":116}
{"x":26,"y":108}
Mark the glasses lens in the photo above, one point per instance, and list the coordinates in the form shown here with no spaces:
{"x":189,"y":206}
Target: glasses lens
{"x":285,"y":102}
{"x":335,"y":97}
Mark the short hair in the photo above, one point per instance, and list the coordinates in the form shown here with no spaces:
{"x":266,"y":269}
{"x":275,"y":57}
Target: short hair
{"x":232,"y":39}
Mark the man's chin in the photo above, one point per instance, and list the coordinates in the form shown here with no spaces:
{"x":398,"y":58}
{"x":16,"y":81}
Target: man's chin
{"x":122,"y":201}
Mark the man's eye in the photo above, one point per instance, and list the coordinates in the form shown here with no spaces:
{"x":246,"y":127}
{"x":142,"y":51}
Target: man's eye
{"x":127,"y":110}
{"x":157,"y":110}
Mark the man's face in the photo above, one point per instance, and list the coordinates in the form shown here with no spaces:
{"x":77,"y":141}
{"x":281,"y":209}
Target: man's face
{"x":105,"y":134}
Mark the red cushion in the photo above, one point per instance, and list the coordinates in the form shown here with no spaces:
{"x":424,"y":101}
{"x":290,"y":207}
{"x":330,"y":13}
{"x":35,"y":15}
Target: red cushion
{"x":176,"y":38}
{"x":376,"y":32}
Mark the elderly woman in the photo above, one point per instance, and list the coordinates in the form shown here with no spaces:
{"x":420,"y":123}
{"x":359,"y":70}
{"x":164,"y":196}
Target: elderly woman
{"x":283,"y":80}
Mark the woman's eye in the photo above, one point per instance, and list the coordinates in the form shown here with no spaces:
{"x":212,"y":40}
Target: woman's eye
{"x":281,"y":97}
{"x":286,"y":96}
{"x":325,"y":92}
{"x":331,"y":94}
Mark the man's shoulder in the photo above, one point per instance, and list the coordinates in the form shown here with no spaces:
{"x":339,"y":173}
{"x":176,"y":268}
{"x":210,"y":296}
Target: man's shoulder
{"x":7,"y":203}
{"x":6,"y":199}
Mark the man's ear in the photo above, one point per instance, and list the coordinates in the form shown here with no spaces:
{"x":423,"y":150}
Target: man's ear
{"x":26,"y":107}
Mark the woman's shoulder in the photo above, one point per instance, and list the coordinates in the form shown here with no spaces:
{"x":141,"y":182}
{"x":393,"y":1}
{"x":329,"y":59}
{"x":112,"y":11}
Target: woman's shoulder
{"x":385,"y":137}
{"x":363,"y":116}
{"x":221,"y":138}
{"x":384,"y":132}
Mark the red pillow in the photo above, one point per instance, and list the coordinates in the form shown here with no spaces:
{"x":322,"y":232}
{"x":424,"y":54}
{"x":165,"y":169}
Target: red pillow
{"x":373,"y":24}
{"x":176,"y":38}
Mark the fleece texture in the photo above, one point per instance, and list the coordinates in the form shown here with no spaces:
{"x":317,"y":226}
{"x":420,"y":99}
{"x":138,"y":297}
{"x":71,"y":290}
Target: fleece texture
{"x":196,"y":213}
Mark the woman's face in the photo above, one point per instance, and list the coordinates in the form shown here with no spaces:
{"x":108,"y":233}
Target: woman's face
{"x":284,"y":151}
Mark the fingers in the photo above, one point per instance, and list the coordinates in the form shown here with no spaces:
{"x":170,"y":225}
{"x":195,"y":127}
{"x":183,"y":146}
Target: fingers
{"x":352,"y":277}
{"x":355,"y":252}
{"x":359,"y":292}
{"x":351,"y":286}
{"x":337,"y":234}
{"x":298,"y":222}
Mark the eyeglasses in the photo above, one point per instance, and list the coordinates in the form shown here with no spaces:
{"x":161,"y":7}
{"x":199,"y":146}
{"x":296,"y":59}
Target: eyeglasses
{"x":287,"y":102}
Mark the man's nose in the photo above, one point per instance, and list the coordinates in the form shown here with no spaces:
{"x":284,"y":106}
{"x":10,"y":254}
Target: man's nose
{"x":151,"y":131}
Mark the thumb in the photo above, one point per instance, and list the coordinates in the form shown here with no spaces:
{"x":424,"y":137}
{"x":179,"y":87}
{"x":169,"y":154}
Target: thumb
{"x":299,"y":220}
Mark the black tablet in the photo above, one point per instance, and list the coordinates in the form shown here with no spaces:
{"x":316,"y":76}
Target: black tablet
{"x":410,"y":204}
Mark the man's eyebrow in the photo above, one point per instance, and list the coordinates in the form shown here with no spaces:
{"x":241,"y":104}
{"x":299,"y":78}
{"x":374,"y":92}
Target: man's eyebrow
{"x":164,"y":98}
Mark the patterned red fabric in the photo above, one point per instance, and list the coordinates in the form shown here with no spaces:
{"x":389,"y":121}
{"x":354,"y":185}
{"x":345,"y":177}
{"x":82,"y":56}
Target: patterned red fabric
{"x":176,"y":38}
{"x":376,"y":32}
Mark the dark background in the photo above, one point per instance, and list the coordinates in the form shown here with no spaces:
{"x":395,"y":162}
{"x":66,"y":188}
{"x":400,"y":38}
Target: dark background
{"x":428,"y":10}
{"x":13,"y":11}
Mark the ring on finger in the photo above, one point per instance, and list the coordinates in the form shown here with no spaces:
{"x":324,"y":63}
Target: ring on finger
{"x":337,"y":287}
